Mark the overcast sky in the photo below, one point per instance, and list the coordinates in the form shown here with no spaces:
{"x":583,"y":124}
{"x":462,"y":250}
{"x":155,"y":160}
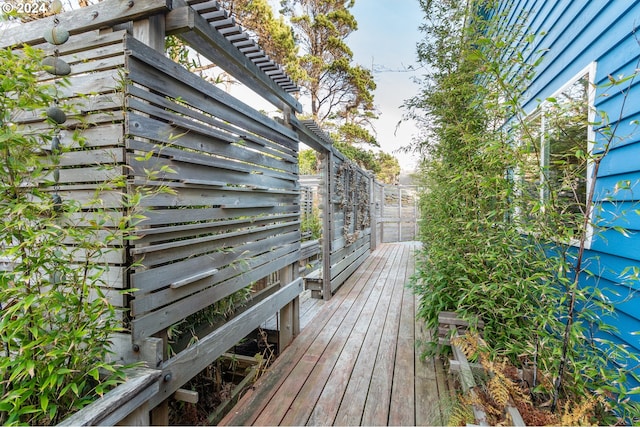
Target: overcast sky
{"x":386,"y":41}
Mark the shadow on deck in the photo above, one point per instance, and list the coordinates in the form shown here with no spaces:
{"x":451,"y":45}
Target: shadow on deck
{"x":356,"y":362}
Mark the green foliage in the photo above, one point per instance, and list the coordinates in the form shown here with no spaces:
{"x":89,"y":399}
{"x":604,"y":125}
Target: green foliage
{"x":308,"y":162}
{"x":178,"y":51}
{"x":55,"y":319}
{"x":353,"y":133}
{"x":389,"y":168}
{"x":366,"y":159}
{"x":312,"y":223}
{"x":492,"y":247}
{"x":385,"y":167}
{"x":186,"y":332}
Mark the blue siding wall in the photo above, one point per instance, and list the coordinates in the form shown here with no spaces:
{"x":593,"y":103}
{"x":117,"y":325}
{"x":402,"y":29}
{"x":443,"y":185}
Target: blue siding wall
{"x":577,"y":33}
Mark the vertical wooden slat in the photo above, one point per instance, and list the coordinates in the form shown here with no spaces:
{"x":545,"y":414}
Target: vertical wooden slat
{"x":327,"y":225}
{"x":151,"y":31}
{"x":286,"y":314}
{"x":400,"y":214}
{"x":372,"y":213}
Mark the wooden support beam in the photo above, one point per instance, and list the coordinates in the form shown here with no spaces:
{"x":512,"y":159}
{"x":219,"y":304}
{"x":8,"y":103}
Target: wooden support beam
{"x":160,"y":411}
{"x":139,"y":417}
{"x":151,"y":31}
{"x":126,"y":351}
{"x":308,"y":137}
{"x":451,"y":318}
{"x":372,"y":213}
{"x":327,"y":224}
{"x":289,"y":315}
{"x":184,"y":395}
{"x":186,"y":364}
{"x":209,"y":42}
{"x":99,"y":15}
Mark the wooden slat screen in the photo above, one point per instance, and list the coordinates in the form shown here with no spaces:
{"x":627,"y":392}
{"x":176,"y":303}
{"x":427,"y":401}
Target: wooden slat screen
{"x":351,"y":223}
{"x":91,"y":140}
{"x":234,"y":214}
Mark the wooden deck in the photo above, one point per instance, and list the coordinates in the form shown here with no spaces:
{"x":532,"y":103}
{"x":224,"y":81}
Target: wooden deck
{"x":309,"y":307}
{"x":356,"y":362}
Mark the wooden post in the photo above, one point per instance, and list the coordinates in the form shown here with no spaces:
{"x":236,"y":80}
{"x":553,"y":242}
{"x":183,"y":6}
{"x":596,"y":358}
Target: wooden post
{"x":289,"y":315}
{"x":151,"y":31}
{"x":399,"y":213}
{"x":327,"y":226}
{"x":383,"y":203}
{"x":372,"y":213}
{"x":416,"y":229}
{"x":160,"y":414}
{"x":139,"y":417}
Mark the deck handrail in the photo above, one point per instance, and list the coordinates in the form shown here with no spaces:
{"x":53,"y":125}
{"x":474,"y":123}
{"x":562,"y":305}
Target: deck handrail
{"x":117,"y":404}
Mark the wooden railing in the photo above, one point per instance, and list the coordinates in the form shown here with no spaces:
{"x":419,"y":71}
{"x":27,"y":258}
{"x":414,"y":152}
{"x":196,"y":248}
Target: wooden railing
{"x":126,"y":404}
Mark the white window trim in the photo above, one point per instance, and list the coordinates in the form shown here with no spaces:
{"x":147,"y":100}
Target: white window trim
{"x":590,"y":71}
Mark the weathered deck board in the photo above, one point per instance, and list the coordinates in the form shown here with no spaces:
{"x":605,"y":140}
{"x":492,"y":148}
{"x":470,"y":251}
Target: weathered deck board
{"x":309,"y":307}
{"x":402,"y":407}
{"x":356,"y":363}
{"x":344,"y":347}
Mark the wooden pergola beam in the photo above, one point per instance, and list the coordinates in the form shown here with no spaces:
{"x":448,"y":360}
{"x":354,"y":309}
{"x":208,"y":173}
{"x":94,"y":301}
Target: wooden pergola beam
{"x":209,"y":42}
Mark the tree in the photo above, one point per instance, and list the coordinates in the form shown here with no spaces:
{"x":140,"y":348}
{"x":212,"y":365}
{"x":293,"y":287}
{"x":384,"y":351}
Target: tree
{"x":340,"y":92}
{"x":271,"y":33}
{"x":308,"y":162}
{"x":389,"y":168}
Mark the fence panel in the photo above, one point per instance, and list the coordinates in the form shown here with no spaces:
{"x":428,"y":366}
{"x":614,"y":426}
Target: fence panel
{"x":398,"y":222}
{"x":233,"y":215}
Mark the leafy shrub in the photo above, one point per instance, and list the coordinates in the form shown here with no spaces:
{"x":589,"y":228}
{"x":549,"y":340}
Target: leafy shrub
{"x":55,"y":322}
{"x":492,"y":249}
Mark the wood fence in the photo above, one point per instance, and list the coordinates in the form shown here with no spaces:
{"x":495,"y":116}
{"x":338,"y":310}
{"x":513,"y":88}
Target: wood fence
{"x":216,"y":179}
{"x":346,"y":194}
{"x":399,"y":214}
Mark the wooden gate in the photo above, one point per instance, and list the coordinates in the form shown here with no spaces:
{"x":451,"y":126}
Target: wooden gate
{"x":400,"y":214}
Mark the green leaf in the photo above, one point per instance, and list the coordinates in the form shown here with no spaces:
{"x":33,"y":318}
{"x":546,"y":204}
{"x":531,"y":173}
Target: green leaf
{"x":53,"y":410}
{"x":94,"y":373}
{"x":622,"y":231}
{"x":74,"y":388}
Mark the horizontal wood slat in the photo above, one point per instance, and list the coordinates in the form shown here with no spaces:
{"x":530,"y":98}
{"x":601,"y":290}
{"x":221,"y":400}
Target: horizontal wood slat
{"x":178,"y":216}
{"x":159,"y":68}
{"x":228,"y":145}
{"x":187,"y":364}
{"x":82,"y":20}
{"x":229,"y":263}
{"x":148,"y":324}
{"x":86,"y":45}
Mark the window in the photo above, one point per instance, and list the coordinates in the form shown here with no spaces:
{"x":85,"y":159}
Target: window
{"x":555,"y":168}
